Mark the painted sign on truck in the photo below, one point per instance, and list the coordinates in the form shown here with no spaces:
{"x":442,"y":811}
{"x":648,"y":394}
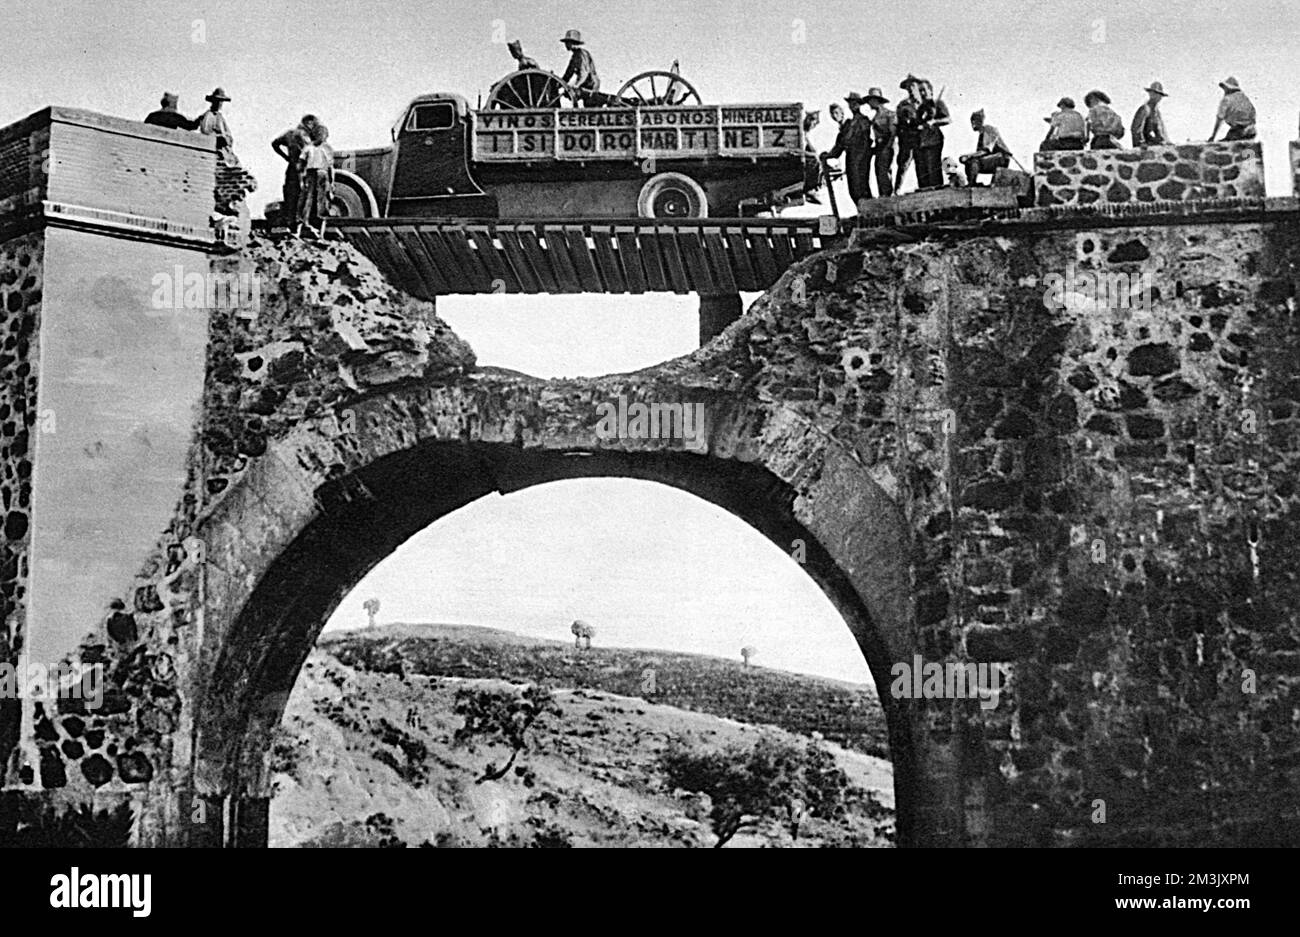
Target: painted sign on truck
{"x":657,"y":132}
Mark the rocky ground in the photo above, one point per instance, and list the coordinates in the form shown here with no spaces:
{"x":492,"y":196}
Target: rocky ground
{"x":367,"y":758}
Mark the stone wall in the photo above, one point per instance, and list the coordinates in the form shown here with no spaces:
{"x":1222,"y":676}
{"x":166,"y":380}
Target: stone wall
{"x":21,"y":261}
{"x":1150,"y":174}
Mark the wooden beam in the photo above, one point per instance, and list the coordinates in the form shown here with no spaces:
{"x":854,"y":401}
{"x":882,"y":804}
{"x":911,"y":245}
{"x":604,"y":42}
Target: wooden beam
{"x":580,"y":254}
{"x":675,"y":272}
{"x":557,"y":246}
{"x":766,"y":268}
{"x":652,"y":260}
{"x":697,"y":265}
{"x":519,"y":263}
{"x":492,"y":258}
{"x":398,"y":266}
{"x":448,"y":266}
{"x":428,"y":271}
{"x":784,"y":251}
{"x":631,"y":257}
{"x":540,"y":259}
{"x":746,"y":279}
{"x":609,"y":268}
{"x":719,"y":260}
{"x":458,"y":241}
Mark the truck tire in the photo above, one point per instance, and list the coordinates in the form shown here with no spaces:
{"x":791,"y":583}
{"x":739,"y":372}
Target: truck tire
{"x":672,"y":195}
{"x":347,"y":202}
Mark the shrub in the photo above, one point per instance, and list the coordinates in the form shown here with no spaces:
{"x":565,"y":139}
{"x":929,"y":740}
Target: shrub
{"x":501,"y":716}
{"x":772,"y":780}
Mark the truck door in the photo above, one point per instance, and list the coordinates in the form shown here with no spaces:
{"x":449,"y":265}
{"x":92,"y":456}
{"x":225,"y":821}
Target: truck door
{"x":431,"y":174}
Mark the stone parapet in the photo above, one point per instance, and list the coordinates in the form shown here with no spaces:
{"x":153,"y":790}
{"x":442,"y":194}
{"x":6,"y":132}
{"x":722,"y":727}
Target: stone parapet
{"x":1150,"y":174}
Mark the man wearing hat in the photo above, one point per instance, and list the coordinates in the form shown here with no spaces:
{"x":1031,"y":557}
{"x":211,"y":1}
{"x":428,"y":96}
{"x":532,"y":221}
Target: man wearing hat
{"x":521,"y":61}
{"x":213,"y":122}
{"x":581,"y":73}
{"x":1148,"y":128}
{"x":855,"y":139}
{"x":1103,"y":124}
{"x":1068,"y":130}
{"x":884,"y":129}
{"x":908,"y":121}
{"x":933,"y":116}
{"x":991,"y":151}
{"x":1236,"y":111}
{"x":168,"y":116}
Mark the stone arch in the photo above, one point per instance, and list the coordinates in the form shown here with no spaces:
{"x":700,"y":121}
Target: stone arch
{"x":328,"y":502}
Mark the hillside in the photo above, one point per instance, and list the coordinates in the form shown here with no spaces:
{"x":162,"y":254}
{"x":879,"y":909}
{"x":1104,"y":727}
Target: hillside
{"x":845,"y":713}
{"x":353,"y":768}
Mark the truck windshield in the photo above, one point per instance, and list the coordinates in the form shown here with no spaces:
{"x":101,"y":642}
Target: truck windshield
{"x":440,"y":116}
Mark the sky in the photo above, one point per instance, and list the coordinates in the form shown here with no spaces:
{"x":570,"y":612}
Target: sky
{"x":535,"y":560}
{"x":645,"y":564}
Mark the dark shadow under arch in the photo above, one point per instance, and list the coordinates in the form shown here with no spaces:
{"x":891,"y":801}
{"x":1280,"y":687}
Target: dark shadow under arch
{"x":366,"y":515}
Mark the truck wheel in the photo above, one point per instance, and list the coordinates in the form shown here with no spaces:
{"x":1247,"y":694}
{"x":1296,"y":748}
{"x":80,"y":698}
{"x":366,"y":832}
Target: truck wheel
{"x":672,"y":195}
{"x":347,"y":202}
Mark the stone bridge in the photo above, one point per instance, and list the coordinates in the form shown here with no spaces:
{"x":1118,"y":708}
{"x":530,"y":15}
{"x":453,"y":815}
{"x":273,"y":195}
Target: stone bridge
{"x":1092,"y":487}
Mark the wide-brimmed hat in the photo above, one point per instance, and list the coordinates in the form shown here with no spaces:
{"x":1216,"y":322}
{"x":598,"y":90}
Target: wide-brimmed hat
{"x":1156,"y":88}
{"x":573,"y":36}
{"x":909,"y":81}
{"x":1095,"y":95}
{"x":874,"y":94}
{"x":1229,"y":84}
{"x":1066,"y":101}
{"x":854,"y":98}
{"x":218,"y":94}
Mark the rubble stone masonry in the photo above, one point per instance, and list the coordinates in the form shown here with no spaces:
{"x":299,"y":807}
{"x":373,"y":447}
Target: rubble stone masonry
{"x":1150,"y":174}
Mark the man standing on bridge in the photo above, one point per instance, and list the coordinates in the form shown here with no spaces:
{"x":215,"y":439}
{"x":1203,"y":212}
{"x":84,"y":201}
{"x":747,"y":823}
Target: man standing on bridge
{"x":909,"y":129}
{"x":581,"y":73}
{"x":855,"y":139}
{"x":289,"y":146}
{"x":884,"y":127}
{"x":932,"y":116}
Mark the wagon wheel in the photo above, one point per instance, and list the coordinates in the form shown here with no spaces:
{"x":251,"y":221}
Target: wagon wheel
{"x":530,"y":89}
{"x":658,"y":87}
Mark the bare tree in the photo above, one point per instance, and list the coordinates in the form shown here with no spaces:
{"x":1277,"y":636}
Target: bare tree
{"x":372,"y":609}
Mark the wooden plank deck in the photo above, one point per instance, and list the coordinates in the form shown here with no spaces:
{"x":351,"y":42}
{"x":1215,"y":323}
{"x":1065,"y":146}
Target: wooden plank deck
{"x":438,"y":257}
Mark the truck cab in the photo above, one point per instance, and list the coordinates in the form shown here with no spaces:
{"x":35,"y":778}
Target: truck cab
{"x":426,"y":172}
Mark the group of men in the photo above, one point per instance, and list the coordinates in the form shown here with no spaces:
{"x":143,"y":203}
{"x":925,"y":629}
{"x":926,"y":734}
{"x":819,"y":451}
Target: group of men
{"x":889,"y":141}
{"x":211,"y":122}
{"x":1102,"y":129}
{"x":581,"y":73}
{"x":913,"y":133}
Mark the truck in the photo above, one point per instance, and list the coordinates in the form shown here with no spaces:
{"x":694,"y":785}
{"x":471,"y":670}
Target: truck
{"x":534,"y":151}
